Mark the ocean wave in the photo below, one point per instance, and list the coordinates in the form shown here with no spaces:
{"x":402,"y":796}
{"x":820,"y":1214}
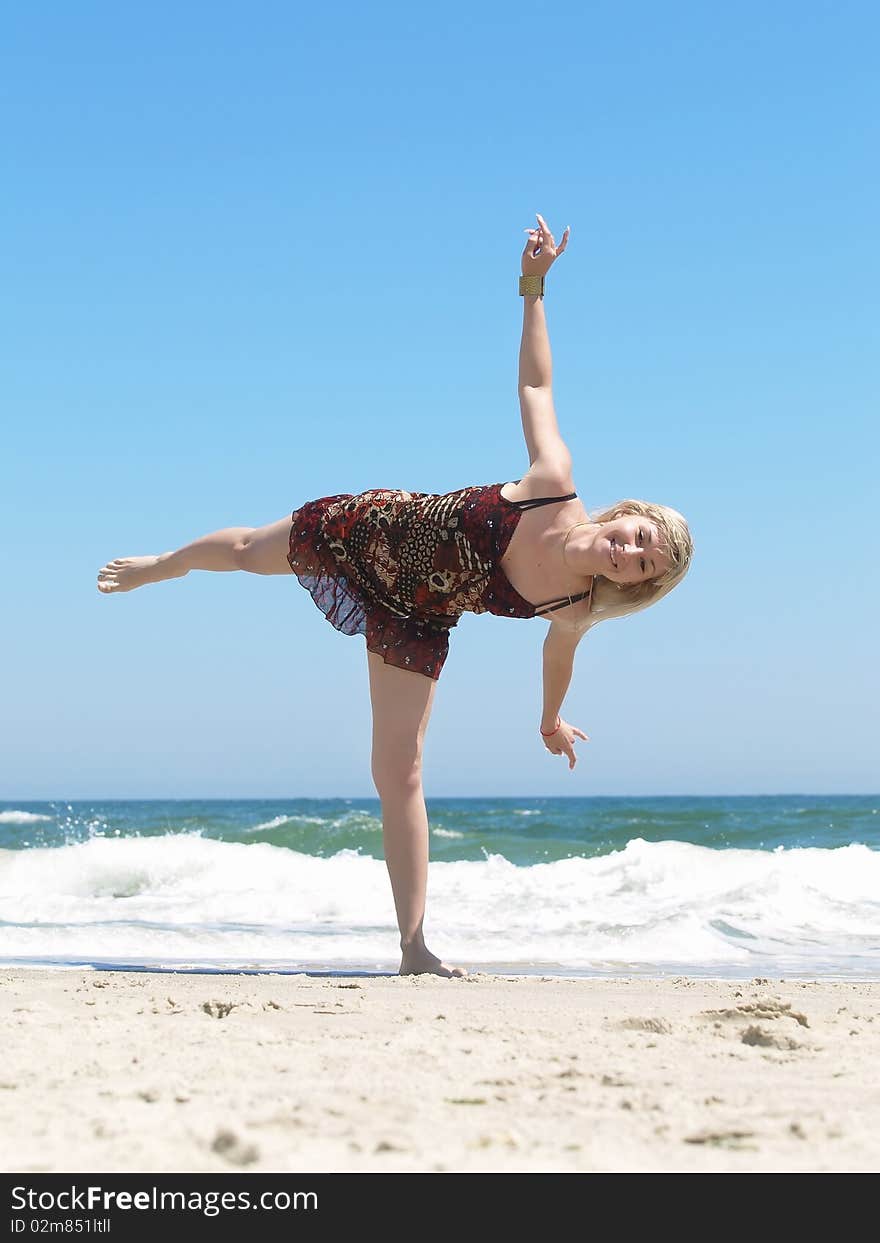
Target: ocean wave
{"x":21,"y":817}
{"x":181,"y":895}
{"x":269,"y":824}
{"x":348,"y":819}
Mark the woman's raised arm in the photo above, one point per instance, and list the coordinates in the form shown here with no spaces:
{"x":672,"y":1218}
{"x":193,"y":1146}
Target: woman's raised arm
{"x":541,"y":431}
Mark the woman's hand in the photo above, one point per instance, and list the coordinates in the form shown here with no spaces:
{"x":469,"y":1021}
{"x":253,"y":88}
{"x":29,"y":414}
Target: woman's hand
{"x":561,"y":741}
{"x":541,"y":251}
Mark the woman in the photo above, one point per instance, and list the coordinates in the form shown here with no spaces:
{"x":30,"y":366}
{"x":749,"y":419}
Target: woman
{"x":401,"y":567}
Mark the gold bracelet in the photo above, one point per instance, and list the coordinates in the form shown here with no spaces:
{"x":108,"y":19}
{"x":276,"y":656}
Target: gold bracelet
{"x":531,"y":285}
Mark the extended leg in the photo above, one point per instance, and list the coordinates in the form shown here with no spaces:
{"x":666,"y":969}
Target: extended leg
{"x":402,"y":703}
{"x":260,"y":550}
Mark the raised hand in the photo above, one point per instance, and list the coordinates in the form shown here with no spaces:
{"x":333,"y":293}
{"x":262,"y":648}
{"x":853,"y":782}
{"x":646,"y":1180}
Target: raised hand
{"x":541,"y":250}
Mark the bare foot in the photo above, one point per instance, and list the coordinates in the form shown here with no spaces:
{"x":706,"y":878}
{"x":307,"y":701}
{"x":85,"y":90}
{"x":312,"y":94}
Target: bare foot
{"x":418,"y":960}
{"x":125,"y":573}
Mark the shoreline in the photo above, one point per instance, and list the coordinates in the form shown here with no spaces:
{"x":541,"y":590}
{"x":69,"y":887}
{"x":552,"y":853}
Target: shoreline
{"x":185,"y":967}
{"x":123,"y":1071}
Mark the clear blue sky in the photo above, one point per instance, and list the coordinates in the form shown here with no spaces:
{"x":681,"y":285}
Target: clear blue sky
{"x":258,"y":253}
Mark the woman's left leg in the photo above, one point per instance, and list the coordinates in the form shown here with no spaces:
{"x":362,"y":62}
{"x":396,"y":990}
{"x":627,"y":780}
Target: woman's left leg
{"x":402,"y":701}
{"x":259,"y":550}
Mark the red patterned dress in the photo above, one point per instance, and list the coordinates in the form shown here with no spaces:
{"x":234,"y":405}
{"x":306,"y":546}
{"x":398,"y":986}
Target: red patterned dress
{"x":400,"y":567}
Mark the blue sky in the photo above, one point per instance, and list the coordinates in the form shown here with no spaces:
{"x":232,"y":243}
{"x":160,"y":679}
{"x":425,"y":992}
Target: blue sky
{"x":255,"y":254}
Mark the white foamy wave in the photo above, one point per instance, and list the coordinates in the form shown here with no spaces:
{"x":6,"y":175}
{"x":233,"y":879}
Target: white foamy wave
{"x":446,"y":833}
{"x":21,"y":817}
{"x":521,"y":811}
{"x":186,"y":897}
{"x":348,"y":818}
{"x":270,"y":824}
{"x":356,"y":817}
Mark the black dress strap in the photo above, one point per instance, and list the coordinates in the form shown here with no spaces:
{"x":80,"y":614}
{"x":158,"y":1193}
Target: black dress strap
{"x":550,"y":606}
{"x":534,"y":501}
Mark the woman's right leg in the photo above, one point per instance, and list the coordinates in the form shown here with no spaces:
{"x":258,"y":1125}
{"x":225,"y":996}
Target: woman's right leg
{"x":260,"y":550}
{"x":402,"y":701}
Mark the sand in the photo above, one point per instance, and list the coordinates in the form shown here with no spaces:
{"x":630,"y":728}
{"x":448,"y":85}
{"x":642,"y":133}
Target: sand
{"x":126,"y":1071}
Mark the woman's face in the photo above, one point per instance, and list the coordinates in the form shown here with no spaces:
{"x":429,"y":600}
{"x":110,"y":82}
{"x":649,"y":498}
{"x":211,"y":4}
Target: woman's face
{"x":630,"y":549}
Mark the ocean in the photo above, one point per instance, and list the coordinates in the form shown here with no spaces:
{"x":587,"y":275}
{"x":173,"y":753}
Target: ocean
{"x":785,"y":886}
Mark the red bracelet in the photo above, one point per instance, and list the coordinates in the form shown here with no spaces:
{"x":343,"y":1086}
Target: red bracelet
{"x":552,"y":731}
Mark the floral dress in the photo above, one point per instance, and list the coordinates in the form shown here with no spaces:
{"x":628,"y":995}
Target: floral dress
{"x":400,"y":568}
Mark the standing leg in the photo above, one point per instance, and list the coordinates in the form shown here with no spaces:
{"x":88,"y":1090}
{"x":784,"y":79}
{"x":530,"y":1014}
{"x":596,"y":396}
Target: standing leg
{"x":261,"y":550}
{"x":402,"y":703}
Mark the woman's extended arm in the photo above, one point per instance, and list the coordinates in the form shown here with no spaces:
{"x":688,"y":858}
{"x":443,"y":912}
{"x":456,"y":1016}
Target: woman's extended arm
{"x":535,"y":360}
{"x":558,"y":666}
{"x":547,"y":450}
{"x":540,"y":428}
{"x":558,"y":659}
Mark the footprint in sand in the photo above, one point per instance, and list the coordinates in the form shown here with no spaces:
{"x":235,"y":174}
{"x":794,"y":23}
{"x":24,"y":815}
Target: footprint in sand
{"x":761,"y":1037}
{"x":219,"y":1009}
{"x":234,"y":1150}
{"x":650,"y":1024}
{"x":768,"y":1009}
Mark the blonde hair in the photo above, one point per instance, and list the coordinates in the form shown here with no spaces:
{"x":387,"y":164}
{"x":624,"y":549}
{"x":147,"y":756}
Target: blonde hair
{"x":611,"y":599}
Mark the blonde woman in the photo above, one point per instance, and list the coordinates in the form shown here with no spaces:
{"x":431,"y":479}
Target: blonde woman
{"x":401,"y":567}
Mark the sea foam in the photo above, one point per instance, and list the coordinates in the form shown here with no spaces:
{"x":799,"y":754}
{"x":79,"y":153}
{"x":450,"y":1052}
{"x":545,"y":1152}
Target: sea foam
{"x":669,"y":903}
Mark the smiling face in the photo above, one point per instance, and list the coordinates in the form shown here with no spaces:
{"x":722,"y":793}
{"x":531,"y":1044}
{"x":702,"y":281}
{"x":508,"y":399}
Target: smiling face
{"x":630,"y":547}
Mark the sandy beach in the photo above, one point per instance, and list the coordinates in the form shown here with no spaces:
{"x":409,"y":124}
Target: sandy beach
{"x":128,"y":1071}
